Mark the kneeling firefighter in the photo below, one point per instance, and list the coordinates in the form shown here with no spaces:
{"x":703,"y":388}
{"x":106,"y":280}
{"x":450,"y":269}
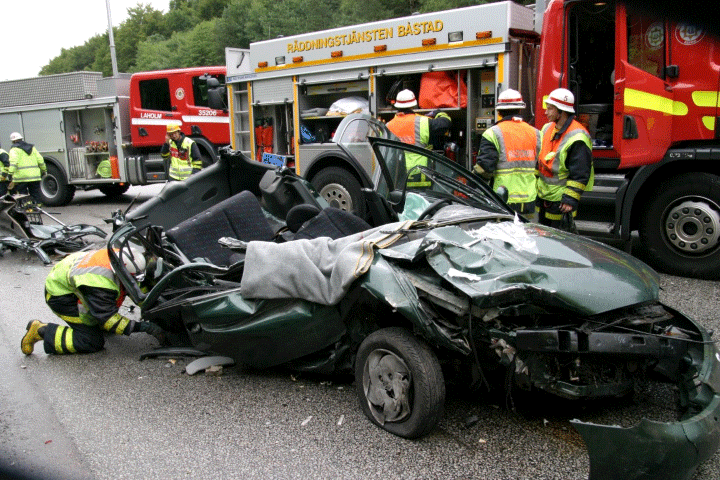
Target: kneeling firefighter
{"x":84,"y":291}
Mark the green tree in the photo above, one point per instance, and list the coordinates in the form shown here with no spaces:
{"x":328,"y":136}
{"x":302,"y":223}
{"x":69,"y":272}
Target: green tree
{"x":198,"y":46}
{"x":232,"y":26}
{"x":142,"y":21}
{"x":82,"y":57}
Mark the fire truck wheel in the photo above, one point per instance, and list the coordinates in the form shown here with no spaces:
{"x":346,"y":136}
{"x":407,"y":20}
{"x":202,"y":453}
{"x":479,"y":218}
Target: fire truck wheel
{"x":340,"y":188}
{"x":114,"y":189}
{"x":680,"y":228}
{"x":54,"y":188}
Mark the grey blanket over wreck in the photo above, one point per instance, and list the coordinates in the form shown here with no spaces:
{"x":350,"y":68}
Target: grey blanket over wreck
{"x":320,"y":270}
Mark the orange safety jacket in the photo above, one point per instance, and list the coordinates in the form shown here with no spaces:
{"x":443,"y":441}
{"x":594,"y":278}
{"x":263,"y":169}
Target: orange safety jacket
{"x":415,"y":130}
{"x":518,"y":145}
{"x":555,"y":179}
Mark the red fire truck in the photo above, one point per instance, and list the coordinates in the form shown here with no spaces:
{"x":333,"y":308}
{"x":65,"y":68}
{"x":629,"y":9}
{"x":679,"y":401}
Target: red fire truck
{"x":646,"y":86}
{"x":106,"y":133}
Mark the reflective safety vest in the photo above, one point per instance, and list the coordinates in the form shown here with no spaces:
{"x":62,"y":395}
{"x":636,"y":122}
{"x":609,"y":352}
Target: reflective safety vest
{"x":181,"y":161}
{"x":3,"y":168}
{"x":90,"y":269}
{"x":24,"y":167}
{"x":415,"y":130}
{"x":553,"y":172}
{"x":518,"y":145}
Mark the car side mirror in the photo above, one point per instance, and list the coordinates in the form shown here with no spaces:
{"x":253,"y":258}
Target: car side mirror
{"x":503,"y":193}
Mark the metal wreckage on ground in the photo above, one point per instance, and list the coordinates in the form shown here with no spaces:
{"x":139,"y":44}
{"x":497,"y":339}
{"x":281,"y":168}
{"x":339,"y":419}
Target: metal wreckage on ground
{"x":248,"y":262}
{"x":22,"y":228}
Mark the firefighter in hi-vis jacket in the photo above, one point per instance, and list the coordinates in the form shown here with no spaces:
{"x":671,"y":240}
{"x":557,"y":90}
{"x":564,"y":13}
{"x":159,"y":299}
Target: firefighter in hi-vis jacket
{"x":84,"y":291}
{"x":565,"y":163}
{"x":508,"y":153}
{"x":183,"y":153}
{"x":419,"y":130}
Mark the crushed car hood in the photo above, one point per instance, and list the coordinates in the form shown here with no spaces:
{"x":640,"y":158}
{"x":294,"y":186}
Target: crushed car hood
{"x":501,"y":264}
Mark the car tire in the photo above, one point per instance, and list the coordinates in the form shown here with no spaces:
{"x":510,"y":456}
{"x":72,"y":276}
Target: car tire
{"x":680,"y":227}
{"x":340,"y":189}
{"x":54,"y":188}
{"x":399,"y":371}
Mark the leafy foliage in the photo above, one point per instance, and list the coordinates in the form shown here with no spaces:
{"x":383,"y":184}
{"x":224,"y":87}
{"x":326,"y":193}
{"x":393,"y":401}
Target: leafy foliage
{"x":196,"y":32}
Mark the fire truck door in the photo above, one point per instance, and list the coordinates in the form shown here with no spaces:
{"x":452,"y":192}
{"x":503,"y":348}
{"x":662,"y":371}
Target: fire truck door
{"x":643,"y":107}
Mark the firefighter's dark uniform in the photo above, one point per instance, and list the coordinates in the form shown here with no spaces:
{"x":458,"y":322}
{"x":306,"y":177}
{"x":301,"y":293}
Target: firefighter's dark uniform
{"x":184,"y":157}
{"x":4,"y":172}
{"x":565,"y":170}
{"x":83,"y":290}
{"x":508,"y":154}
{"x":26,"y":168}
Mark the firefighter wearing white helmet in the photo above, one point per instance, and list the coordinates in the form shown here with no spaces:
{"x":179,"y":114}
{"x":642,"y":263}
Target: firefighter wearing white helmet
{"x":565,"y":164}
{"x":419,"y":130}
{"x":181,"y":153}
{"x":84,"y":291}
{"x":26,"y":167}
{"x":508,"y":153}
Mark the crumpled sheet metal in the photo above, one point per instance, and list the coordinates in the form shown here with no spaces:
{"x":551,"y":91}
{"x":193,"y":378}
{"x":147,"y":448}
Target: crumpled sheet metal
{"x":389,"y":283}
{"x":526,"y":263}
{"x":654,"y":450}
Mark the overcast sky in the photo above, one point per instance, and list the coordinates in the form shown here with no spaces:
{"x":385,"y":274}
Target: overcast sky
{"x":33,"y":32}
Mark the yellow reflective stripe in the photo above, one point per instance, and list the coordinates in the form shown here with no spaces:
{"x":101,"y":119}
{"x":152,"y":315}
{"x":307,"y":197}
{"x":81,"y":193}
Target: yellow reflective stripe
{"x":574,"y":184}
{"x":69,"y":341}
{"x":706,"y":99}
{"x":709,"y":123}
{"x":657,"y":103}
{"x":553,"y":216}
{"x":116,"y":324}
{"x":58,"y":339}
{"x":511,"y":171}
{"x":572,"y":193}
{"x":70,"y":319}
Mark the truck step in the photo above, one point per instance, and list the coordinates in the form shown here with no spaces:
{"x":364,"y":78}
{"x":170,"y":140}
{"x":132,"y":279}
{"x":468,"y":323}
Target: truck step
{"x":594,"y":228}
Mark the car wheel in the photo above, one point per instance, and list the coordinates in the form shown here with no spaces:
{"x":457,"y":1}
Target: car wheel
{"x":399,"y":382}
{"x":340,"y":189}
{"x":54,"y":188}
{"x":114,"y":189}
{"x":680,"y":230}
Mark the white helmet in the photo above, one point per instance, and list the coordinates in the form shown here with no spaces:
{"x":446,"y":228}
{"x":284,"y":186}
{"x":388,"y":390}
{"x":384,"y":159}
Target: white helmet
{"x":510,"y":100}
{"x":563,"y":99}
{"x":405,"y":99}
{"x":134,"y":260}
{"x":15,"y":136}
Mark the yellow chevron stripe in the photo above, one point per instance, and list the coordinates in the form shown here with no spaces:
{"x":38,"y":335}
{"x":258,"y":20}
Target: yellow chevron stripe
{"x":706,"y":99}
{"x":657,"y":103}
{"x":709,"y":123}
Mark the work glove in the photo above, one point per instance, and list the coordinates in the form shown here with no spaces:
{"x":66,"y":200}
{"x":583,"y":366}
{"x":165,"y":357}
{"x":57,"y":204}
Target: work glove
{"x":151,"y":329}
{"x":147,"y":327}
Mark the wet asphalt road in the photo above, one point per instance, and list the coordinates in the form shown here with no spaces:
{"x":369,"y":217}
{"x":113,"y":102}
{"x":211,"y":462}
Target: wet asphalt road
{"x":111,"y":416}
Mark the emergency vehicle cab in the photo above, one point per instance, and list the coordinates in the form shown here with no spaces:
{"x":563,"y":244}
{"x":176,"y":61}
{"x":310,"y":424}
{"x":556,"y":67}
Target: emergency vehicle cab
{"x":646,"y":88}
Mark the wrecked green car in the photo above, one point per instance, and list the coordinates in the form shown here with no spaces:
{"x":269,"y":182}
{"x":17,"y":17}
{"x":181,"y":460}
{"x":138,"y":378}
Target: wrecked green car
{"x":246,"y":260}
